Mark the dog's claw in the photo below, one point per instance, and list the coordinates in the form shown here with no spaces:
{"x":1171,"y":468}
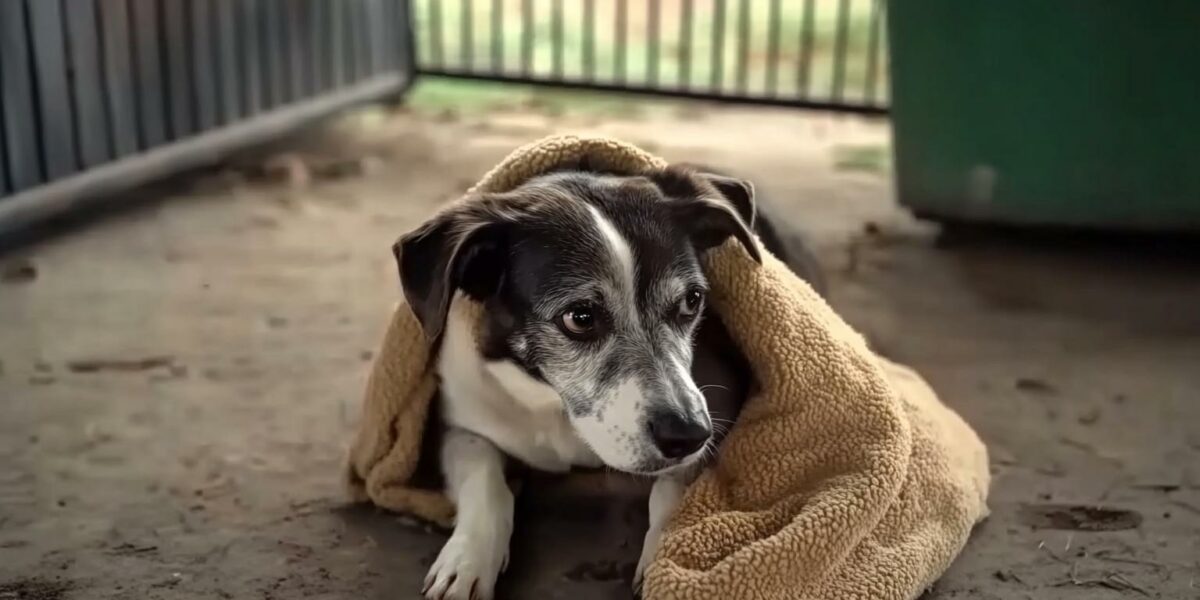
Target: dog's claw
{"x":465,"y":569}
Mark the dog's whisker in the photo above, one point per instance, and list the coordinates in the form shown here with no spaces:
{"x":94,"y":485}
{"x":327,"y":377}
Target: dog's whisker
{"x":713,"y":385}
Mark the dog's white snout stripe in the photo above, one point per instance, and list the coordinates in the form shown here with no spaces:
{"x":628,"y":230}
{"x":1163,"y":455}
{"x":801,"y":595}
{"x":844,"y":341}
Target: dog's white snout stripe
{"x":624,"y":267}
{"x":690,"y":399}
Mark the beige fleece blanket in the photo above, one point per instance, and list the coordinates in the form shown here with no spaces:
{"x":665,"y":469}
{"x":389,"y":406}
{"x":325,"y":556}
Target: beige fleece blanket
{"x":844,"y":476}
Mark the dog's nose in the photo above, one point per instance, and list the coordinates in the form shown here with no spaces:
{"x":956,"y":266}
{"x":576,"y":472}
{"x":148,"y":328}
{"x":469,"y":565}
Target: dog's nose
{"x":677,"y":436}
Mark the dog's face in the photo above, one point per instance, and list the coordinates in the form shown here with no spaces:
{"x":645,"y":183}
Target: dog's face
{"x":591,"y":284}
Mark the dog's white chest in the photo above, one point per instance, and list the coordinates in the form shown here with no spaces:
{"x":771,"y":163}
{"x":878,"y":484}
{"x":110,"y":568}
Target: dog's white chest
{"x":498,"y":400}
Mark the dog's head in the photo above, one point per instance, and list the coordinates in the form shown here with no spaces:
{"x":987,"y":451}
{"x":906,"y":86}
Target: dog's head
{"x":592,"y":285}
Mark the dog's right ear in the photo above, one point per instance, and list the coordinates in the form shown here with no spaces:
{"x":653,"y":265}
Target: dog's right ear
{"x":460,"y":248}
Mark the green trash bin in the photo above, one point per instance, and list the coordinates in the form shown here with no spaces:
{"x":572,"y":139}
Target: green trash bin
{"x":1033,"y":112}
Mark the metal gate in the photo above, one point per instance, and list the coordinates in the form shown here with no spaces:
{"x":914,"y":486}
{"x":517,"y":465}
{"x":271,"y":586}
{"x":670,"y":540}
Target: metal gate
{"x":825,"y":54}
{"x":98,"y":96}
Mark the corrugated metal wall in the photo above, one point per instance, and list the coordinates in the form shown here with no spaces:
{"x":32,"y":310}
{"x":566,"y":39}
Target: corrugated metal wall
{"x":107,"y":93}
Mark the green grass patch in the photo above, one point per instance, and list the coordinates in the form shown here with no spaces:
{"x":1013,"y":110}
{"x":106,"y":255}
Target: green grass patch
{"x":438,"y":95}
{"x":865,"y":158}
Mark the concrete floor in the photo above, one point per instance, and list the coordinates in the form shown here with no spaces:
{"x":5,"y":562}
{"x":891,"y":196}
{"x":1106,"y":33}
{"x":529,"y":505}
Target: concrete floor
{"x":178,"y":381}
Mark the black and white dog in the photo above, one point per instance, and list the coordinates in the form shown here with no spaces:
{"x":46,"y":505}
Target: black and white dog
{"x":591,"y":351}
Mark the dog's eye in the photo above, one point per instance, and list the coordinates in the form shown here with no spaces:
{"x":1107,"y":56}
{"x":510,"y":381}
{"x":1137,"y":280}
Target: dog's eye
{"x":579,"y":321}
{"x":691,"y":303}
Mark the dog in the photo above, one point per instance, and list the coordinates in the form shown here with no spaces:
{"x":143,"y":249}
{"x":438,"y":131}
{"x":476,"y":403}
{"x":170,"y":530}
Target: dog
{"x":595,"y":347}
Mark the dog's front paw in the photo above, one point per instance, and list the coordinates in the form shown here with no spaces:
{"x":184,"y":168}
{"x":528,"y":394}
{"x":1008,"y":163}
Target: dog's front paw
{"x":466,"y":569}
{"x":649,"y":549}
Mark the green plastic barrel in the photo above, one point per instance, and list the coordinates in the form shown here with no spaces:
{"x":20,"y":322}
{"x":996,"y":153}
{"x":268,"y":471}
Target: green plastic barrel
{"x":1065,"y":112}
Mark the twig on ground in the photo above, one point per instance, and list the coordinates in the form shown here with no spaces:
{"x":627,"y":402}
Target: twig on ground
{"x":1104,"y":555}
{"x":1186,"y":506}
{"x":1042,"y":546}
{"x":1112,"y":581}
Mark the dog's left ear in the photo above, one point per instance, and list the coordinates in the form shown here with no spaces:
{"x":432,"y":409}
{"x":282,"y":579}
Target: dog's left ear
{"x":712,"y":220}
{"x":457,"y":249}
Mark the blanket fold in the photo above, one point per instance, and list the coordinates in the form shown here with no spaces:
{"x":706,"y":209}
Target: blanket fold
{"x":843,"y":477}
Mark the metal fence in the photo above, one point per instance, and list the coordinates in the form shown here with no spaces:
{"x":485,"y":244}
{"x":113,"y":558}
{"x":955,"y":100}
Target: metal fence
{"x":827,"y":54}
{"x":100,"y":95}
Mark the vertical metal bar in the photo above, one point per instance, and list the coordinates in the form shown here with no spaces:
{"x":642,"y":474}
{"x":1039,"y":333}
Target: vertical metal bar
{"x":87,"y":87}
{"x":718,"y":49}
{"x":274,"y":42}
{"x":388,"y":35}
{"x":407,"y":29}
{"x":773,"y":25}
{"x":303,"y":43}
{"x":318,"y":31}
{"x":285,"y":51}
{"x":118,"y":76}
{"x":177,"y":37}
{"x":202,"y":67}
{"x":4,"y":185}
{"x":434,"y":27}
{"x":229,"y":61}
{"x":335,"y":49}
{"x":294,"y":48}
{"x":466,"y":35}
{"x":743,"y":46}
{"x":497,"y":36}
{"x":20,"y":124}
{"x":266,"y":52}
{"x":362,"y":34}
{"x":53,"y":91}
{"x":839,"y":50}
{"x":252,"y":74}
{"x":873,"y":50}
{"x":556,"y":38}
{"x":352,"y":24}
{"x":807,"y":25}
{"x":147,"y":53}
{"x":377,"y":20}
{"x":362,"y":64}
{"x":378,"y":29}
{"x":621,"y":34}
{"x":685,"y":44}
{"x":653,"y":39}
{"x":337,"y":44}
{"x":527,"y":37}
{"x":367,"y":47}
{"x":589,"y":40}
{"x":400,"y":38}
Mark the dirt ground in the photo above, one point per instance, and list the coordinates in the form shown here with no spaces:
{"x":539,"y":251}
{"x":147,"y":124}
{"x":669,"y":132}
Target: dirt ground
{"x":178,"y":381}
